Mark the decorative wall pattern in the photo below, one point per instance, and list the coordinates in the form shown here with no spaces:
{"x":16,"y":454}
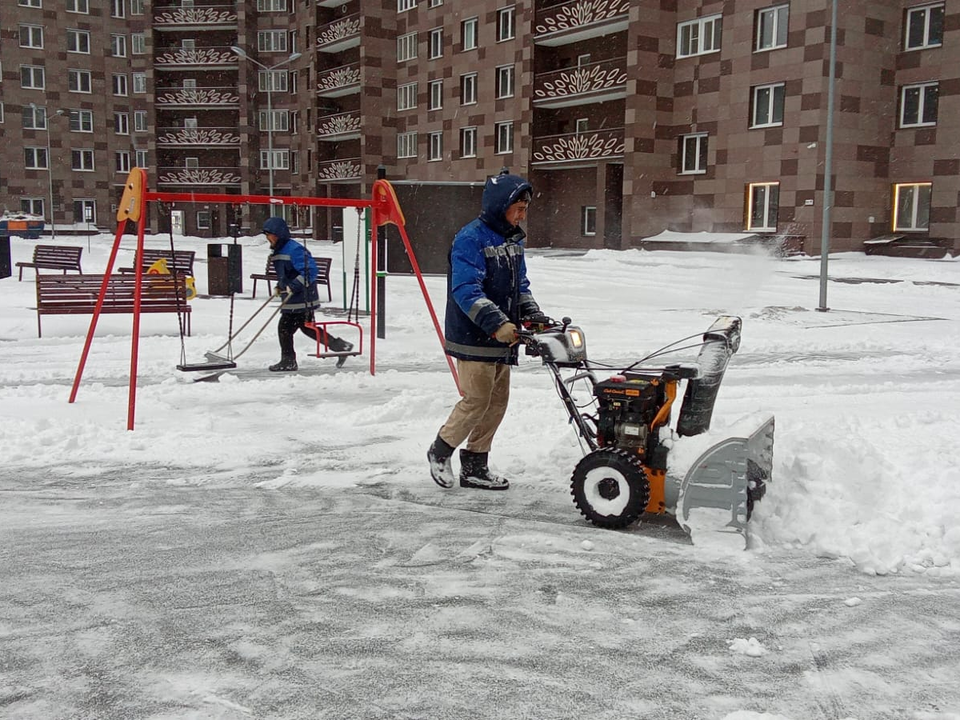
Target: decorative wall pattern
{"x":339,"y":78}
{"x":198,"y":136}
{"x":339,"y":170}
{"x":200,"y":176}
{"x":341,"y":30}
{"x":208,"y":56}
{"x":580,"y":13}
{"x":195,"y":16}
{"x":580,"y":81}
{"x":339,"y":125}
{"x":197,"y":96}
{"x":579,"y":147}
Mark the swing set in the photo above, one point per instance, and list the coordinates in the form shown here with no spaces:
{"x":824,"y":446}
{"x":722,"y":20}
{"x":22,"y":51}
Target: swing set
{"x":384,"y":208}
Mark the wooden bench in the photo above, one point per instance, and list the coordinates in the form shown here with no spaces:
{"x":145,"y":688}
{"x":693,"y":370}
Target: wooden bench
{"x":182,"y":261}
{"x":323,"y":276}
{"x":77,"y":295}
{"x":53,"y":257}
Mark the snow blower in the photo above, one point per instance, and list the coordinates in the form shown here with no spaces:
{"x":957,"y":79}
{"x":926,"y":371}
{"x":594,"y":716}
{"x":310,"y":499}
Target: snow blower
{"x":634,"y":461}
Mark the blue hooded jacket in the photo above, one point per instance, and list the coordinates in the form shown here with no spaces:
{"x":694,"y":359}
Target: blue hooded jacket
{"x":487,"y":281}
{"x":295,"y":267}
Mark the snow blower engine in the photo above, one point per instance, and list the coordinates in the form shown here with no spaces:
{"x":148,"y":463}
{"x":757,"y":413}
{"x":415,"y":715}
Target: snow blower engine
{"x":626,"y":435}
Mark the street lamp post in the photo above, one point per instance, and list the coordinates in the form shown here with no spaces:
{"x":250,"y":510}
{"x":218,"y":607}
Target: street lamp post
{"x":243,"y":54}
{"x":46,"y":124}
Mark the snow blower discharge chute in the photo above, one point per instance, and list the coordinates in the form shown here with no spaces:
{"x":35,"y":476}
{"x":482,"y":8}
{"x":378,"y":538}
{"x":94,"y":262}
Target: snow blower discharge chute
{"x":626,"y":435}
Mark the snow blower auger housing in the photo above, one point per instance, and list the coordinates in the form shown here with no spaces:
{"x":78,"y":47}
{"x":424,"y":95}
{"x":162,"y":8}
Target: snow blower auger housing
{"x":627,"y":438}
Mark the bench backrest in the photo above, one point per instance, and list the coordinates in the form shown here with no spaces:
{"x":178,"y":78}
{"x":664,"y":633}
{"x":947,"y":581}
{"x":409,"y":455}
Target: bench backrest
{"x":57,"y":257}
{"x":323,"y":270}
{"x":182,"y":260}
{"x":81,"y":291}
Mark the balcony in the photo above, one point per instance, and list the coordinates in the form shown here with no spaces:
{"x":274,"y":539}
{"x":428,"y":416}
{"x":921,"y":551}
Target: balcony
{"x":197,"y":137}
{"x":197,"y":176}
{"x":344,"y":80}
{"x":331,"y":3}
{"x":339,"y":35}
{"x":196,"y":58}
{"x":340,"y":126}
{"x":344,"y":170}
{"x":207,"y":17}
{"x":590,"y":83}
{"x":584,"y":149}
{"x":197,"y":97}
{"x":578,"y":20}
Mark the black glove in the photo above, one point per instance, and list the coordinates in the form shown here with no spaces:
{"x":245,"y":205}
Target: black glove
{"x":538,"y":321}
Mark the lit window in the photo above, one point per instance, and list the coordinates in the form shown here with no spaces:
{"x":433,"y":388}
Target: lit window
{"x":772,"y":28}
{"x":693,"y":153}
{"x":763,"y":202}
{"x":699,"y":37}
{"x":767,"y":105}
{"x":923,"y":27}
{"x":911,"y":206}
{"x":919,"y":104}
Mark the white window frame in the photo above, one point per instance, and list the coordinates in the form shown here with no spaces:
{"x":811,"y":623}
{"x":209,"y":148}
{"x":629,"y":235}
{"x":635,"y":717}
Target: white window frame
{"x":469,"y":30}
{"x":33,"y":34}
{"x":30,"y":3}
{"x":588,"y":220}
{"x":506,"y":23}
{"x":701,"y":36}
{"x":468,"y":142}
{"x":138,"y":43}
{"x":278,"y":79}
{"x":81,"y":7}
{"x":269,"y":6}
{"x":435,"y":3}
{"x":142,"y":159}
{"x":136,"y":7}
{"x":404,"y":5}
{"x":503,"y":137}
{"x":35,"y":158}
{"x":1,"y":112}
{"x":435,"y":147}
{"x":85,"y":204}
{"x":121,"y":161}
{"x":81,"y":121}
{"x":506,"y":75}
{"x":406,"y":96}
{"x":35,"y":73}
{"x":766,"y":96}
{"x":82,"y":160}
{"x":120,"y":84}
{"x":118,"y":45}
{"x":926,"y":93}
{"x":141,"y":121}
{"x":581,"y":126}
{"x":280,"y":121}
{"x":81,"y":79}
{"x":78,"y":41}
{"x":121,"y":123}
{"x":468,"y":81}
{"x":281,"y":160}
{"x":923,"y":13}
{"x":406,"y":47}
{"x":435,"y":95}
{"x":435,"y":44}
{"x":31,"y":205}
{"x":204,"y":219}
{"x":118,"y":9}
{"x":754,"y":191}
{"x":139,"y":82}
{"x":407,"y":145}
{"x":270,"y":41}
{"x":915,"y":194}
{"x":693,"y":153}
{"x":771,"y":17}
{"x":34,"y":118}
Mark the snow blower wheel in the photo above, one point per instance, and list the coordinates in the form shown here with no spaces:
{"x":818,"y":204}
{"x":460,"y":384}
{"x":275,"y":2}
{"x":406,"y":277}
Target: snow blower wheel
{"x":610,"y":487}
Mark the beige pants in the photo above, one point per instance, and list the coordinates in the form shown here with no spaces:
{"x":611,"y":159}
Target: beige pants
{"x":486,"y":391}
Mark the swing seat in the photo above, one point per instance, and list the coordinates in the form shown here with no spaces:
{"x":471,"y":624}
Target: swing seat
{"x":210,"y":365}
{"x":323,"y":351}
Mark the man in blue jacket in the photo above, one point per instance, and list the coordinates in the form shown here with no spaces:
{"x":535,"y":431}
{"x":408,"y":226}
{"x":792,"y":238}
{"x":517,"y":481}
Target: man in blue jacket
{"x":297,"y":287}
{"x":488,"y":296}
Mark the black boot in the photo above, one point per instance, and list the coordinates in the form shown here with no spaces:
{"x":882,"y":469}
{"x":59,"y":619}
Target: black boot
{"x":288,"y":363}
{"x":474,"y":472}
{"x":441,"y":467}
{"x":340,"y":346}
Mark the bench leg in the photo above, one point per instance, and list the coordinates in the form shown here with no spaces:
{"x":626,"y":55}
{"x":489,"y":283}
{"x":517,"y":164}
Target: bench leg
{"x":254,"y":288}
{"x":329,"y":292}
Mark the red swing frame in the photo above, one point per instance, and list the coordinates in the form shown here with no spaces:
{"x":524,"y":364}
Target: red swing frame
{"x":385,"y":210}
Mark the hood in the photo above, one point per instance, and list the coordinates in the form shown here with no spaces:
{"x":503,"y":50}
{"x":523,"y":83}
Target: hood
{"x":500,"y":192}
{"x":277,"y":226}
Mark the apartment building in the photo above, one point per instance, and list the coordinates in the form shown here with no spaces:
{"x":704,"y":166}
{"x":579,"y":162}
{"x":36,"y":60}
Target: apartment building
{"x":629,"y":117}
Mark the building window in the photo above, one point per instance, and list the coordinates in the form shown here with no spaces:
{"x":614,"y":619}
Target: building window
{"x":81,"y":121}
{"x":274,"y":121}
{"x":272,"y":41}
{"x":693,"y":154}
{"x":767,"y":105}
{"x":436,"y":44}
{"x":588,"y":216}
{"x":138,"y":43}
{"x":279,"y":161}
{"x":505,"y":75}
{"x":30,"y":3}
{"x":468,"y":89}
{"x":504,"y":137}
{"x":140,"y":121}
{"x":78,"y":81}
{"x":78,"y":41}
{"x":118,"y":45}
{"x":436,"y":146}
{"x":139,"y":83}
{"x":32,"y":77}
{"x":1,"y":112}
{"x":699,"y":37}
{"x":923,"y":27}
{"x":772,"y":28}
{"x":406,"y":145}
{"x":919,"y":105}
{"x":468,"y":142}
{"x":118,"y":9}
{"x":85,"y":211}
{"x":506,"y":19}
{"x":32,"y":206}
{"x":404,"y":5}
{"x":406,"y":47}
{"x":436,"y":95}
{"x":911,"y":206}
{"x":468,"y":34}
{"x":271,"y":5}
{"x":292,"y":74}
{"x":581,"y":126}
{"x":407,"y":96}
{"x":35,"y":158}
{"x":272,"y":81}
{"x":763,"y":201}
{"x":121,"y":123}
{"x":31,"y":36}
{"x":191,"y":163}
{"x":204,"y":219}
{"x":136,"y":7}
{"x":141,"y":158}
{"x":34,"y":118}
{"x":120,"y":85}
{"x":82,"y":160}
{"x":435,"y":3}
{"x":122,"y":161}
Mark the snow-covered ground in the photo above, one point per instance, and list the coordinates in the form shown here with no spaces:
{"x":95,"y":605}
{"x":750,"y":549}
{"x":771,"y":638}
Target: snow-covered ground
{"x":845,"y":604}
